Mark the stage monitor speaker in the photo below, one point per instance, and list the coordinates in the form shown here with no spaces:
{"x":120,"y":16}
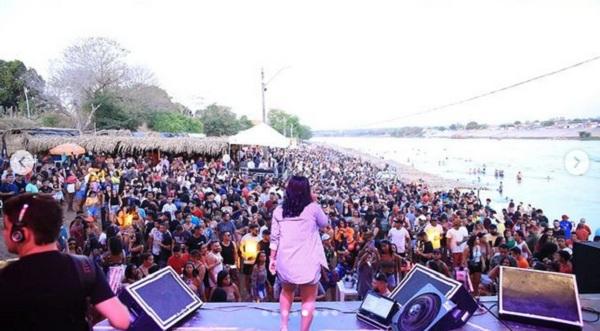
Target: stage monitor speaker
{"x":420,"y":276}
{"x":159,"y":301}
{"x":377,"y":310}
{"x":427,"y":310}
{"x":540,"y":297}
{"x":586,"y":262}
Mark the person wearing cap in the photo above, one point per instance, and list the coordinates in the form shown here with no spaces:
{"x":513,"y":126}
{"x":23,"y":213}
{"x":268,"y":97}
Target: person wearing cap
{"x":54,"y":299}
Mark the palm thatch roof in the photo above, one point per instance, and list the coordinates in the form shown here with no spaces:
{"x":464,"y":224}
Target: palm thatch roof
{"x":132,"y":145}
{"x":15,"y":139}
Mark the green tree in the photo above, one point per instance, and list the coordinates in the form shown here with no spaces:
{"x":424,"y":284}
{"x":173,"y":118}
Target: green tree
{"x":219,"y":121}
{"x":175,"y":122}
{"x":15,"y":78}
{"x":472,"y":126}
{"x":110,"y":113}
{"x":55,"y":120}
{"x":245,"y":123}
{"x":288,"y":124}
{"x":548,"y":123}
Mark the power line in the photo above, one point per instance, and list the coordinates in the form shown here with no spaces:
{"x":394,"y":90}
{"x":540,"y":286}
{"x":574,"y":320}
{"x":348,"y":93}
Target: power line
{"x":482,"y":95}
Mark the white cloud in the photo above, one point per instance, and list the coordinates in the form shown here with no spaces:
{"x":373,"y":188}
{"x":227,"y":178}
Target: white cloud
{"x":352,"y":63}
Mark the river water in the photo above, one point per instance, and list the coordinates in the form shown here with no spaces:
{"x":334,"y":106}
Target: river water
{"x":546,"y":183}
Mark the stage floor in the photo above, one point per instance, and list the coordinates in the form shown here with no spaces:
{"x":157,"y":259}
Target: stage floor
{"x":330,"y":316}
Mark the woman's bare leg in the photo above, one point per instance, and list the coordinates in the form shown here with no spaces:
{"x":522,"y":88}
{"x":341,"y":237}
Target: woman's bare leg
{"x":308,"y":293}
{"x":286,"y":298}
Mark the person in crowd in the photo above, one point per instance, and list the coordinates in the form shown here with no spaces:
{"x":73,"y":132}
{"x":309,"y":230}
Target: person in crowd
{"x":178,"y":260}
{"x":400,"y":237}
{"x":517,"y":254}
{"x":297,"y":253}
{"x":147,"y":264}
{"x":30,"y":229}
{"x":474,"y":261}
{"x":424,"y":248}
{"x":389,"y":263}
{"x":564,"y":262}
{"x":437,"y":264}
{"x":368,"y":262}
{"x":583,"y":231}
{"x":224,"y":285}
{"x":457,"y":237}
{"x":132,"y":274}
{"x":192,"y":278}
{"x":249,"y":252}
{"x":380,"y":284}
{"x":214,"y":263}
{"x":259,"y":284}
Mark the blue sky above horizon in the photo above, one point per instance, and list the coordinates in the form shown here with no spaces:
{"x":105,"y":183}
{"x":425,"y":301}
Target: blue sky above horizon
{"x":352,"y":63}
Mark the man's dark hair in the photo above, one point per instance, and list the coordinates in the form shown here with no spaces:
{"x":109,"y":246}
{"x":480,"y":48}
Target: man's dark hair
{"x":516,"y":250}
{"x":564,"y":255}
{"x":43,"y":217}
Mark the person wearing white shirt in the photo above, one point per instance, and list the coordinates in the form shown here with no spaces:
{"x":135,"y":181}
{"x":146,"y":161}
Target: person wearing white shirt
{"x":457,"y":237}
{"x":400,"y":237}
{"x":170,"y":207}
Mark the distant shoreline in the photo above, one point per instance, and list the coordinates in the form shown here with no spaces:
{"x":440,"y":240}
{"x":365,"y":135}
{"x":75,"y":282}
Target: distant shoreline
{"x":535,"y":133}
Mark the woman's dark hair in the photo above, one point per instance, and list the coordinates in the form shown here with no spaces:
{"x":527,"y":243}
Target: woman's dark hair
{"x":498,"y":241}
{"x":564,"y":255}
{"x":129,"y":271}
{"x":471,"y":241}
{"x":297,"y":196}
{"x":221,"y":277}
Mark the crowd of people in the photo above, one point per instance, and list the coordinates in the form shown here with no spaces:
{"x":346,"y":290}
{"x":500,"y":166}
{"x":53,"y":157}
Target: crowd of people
{"x":211,"y":221}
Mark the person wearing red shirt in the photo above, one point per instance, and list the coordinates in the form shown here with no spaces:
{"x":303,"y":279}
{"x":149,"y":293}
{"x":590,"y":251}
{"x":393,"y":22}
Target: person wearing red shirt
{"x":564,"y":262}
{"x":197,"y":211}
{"x":178,"y":260}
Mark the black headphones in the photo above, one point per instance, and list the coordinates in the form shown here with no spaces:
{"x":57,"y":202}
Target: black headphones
{"x":16,"y":234}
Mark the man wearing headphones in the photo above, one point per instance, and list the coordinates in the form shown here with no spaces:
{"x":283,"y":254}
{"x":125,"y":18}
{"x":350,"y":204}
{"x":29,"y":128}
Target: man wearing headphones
{"x":46,"y":289}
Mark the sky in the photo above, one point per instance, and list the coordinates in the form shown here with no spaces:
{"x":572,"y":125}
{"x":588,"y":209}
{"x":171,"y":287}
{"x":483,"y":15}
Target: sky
{"x":347,"y":64}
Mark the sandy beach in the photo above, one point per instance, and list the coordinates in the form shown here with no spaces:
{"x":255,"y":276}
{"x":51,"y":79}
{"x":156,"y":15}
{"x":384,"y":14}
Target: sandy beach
{"x":404,"y":172}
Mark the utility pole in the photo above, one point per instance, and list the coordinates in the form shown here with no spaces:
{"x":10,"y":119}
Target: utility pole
{"x":263,"y":88}
{"x":27,"y":101}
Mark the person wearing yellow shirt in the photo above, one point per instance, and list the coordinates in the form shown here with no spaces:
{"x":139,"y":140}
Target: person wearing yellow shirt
{"x":434,"y":233}
{"x":126,"y":216}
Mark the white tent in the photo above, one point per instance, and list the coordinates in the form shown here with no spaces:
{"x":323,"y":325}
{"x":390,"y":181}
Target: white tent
{"x":260,"y":135}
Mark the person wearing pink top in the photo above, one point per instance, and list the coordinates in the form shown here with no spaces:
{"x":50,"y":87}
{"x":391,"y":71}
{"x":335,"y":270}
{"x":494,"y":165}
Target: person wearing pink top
{"x":297,"y":253}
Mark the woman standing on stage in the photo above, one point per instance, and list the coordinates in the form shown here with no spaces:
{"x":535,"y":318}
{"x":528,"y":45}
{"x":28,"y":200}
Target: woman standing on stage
{"x":297,"y":253}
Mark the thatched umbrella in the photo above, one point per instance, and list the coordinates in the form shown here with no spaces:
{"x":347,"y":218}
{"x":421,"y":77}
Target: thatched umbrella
{"x":67,"y":149}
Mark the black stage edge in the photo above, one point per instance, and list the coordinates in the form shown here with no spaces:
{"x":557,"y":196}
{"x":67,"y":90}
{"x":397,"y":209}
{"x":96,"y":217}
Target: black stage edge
{"x":242,"y":316}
